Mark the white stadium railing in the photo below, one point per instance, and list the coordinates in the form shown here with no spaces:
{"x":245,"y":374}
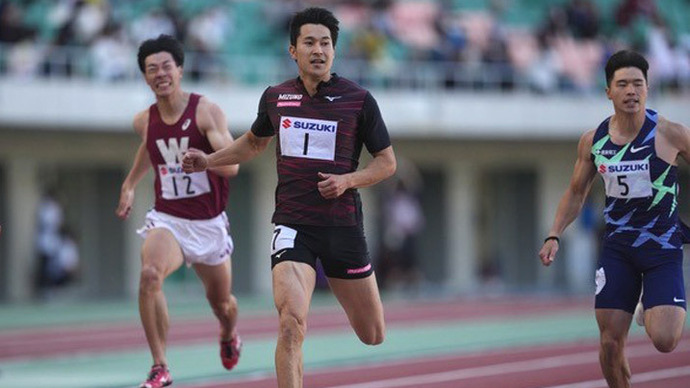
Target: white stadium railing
{"x":80,"y":63}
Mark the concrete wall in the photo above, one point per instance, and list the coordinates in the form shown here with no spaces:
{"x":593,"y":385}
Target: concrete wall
{"x":85,"y":128}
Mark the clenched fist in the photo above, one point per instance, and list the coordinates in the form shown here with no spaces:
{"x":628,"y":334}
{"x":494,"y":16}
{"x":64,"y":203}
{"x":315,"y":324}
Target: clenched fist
{"x":547,"y":254}
{"x":332,"y":186}
{"x":194,"y":160}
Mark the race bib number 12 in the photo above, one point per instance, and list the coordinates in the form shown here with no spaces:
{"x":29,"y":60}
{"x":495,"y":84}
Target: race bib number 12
{"x":175,"y":184}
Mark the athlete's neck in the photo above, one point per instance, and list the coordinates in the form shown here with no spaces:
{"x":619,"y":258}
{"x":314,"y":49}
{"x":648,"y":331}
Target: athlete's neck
{"x":311,"y":84}
{"x":627,"y":124}
{"x":173,"y":105}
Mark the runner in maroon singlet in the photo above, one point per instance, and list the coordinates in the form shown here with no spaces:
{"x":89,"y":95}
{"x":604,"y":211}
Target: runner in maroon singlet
{"x":322,"y":122}
{"x":188,"y":222}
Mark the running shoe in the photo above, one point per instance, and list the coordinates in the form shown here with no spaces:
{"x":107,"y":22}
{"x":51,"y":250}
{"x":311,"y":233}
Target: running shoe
{"x":639,"y":314}
{"x":158,"y":377}
{"x":230,"y":351}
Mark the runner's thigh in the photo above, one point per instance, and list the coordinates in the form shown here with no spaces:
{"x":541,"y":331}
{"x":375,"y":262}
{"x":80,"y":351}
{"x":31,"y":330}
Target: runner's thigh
{"x":362,"y":304}
{"x":293,"y":285}
{"x":161,"y":251}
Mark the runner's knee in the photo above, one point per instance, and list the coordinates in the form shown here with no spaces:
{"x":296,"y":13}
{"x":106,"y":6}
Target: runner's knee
{"x":612,"y":347}
{"x":372,"y":335}
{"x":292,"y":327}
{"x":151,"y":280}
{"x":665,"y":342}
{"x":222,"y":305}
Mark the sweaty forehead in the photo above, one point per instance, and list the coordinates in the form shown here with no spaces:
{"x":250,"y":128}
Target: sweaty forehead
{"x":628,"y":73}
{"x":314,"y":31}
{"x":159,"y":58}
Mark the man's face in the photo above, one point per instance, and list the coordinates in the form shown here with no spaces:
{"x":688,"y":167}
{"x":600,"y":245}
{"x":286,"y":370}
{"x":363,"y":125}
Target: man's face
{"x":628,"y":90}
{"x":162,"y":74}
{"x":314,"y":51}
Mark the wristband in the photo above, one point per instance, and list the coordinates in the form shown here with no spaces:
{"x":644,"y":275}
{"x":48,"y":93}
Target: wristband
{"x":558,"y":240}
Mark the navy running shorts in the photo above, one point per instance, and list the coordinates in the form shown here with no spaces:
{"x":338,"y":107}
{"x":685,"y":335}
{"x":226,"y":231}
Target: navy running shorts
{"x":623,"y":272}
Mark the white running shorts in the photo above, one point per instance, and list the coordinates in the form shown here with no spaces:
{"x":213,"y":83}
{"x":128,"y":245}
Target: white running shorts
{"x":202,"y":241}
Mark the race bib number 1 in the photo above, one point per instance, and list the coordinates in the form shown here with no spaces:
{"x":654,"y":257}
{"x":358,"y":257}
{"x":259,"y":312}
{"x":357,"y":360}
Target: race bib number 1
{"x":308,"y":138}
{"x":629,"y":179}
{"x":175,"y":184}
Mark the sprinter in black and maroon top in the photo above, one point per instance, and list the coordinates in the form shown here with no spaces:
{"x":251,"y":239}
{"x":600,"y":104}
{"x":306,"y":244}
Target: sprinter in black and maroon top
{"x":322,"y":122}
{"x":188,"y":222}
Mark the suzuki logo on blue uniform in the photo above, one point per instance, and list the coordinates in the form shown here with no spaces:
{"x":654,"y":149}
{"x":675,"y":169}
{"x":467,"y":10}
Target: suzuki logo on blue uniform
{"x":628,"y":167}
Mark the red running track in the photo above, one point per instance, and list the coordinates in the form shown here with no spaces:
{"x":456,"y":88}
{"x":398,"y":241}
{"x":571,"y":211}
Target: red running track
{"x":556,"y":366}
{"x":106,"y":337}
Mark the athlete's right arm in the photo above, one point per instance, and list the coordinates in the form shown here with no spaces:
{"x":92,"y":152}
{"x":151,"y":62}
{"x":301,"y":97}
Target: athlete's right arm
{"x":140,"y":167}
{"x":574,"y":197}
{"x":245,"y":148}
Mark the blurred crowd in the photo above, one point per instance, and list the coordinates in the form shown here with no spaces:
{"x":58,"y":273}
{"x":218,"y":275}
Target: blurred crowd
{"x":477,"y":44}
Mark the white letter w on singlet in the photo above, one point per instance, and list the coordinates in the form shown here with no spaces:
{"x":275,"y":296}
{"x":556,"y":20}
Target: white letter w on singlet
{"x":173,"y":152}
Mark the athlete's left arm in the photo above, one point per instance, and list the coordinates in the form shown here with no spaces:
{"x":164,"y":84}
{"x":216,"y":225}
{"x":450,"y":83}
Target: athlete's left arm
{"x":374,"y":135}
{"x":675,"y":141}
{"x":382,"y":166}
{"x":214,"y":125}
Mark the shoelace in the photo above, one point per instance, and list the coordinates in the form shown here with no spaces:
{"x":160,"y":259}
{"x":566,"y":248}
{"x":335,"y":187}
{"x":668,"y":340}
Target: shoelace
{"x":155,"y":371}
{"x":228,"y":349}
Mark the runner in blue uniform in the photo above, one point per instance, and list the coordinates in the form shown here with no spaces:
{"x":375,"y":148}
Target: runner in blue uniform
{"x":635,"y":152}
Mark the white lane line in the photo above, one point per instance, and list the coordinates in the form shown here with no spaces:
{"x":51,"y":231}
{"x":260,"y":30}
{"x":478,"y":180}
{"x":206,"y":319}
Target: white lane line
{"x":498,"y":369}
{"x":636,"y":378}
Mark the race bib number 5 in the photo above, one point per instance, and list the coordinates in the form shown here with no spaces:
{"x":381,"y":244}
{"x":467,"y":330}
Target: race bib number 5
{"x":629,"y":179}
{"x":308,"y":138}
{"x":175,"y":184}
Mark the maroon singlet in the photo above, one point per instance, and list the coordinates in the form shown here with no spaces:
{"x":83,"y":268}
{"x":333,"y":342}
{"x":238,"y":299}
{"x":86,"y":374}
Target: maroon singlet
{"x":196,"y":196}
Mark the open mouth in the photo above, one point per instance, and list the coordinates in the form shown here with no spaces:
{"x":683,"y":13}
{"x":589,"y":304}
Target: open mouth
{"x":163,"y":84}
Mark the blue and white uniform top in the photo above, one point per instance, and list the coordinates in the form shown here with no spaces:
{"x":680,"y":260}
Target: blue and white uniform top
{"x":641,"y":189}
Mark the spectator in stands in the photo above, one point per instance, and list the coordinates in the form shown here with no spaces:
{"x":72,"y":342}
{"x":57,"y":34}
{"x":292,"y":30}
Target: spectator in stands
{"x":544,"y":71}
{"x":453,"y":38}
{"x":403,"y":221}
{"x":206,"y":35}
{"x":156,"y":22}
{"x":391,"y":36}
{"x":628,"y":10}
{"x":583,"y":19}
{"x":19,"y":41}
{"x":56,"y":60}
{"x":171,"y":9}
{"x":279,"y":17}
{"x":64,"y":269}
{"x":48,"y":224}
{"x":12,"y":27}
{"x":496,"y":61}
{"x":111,"y":53}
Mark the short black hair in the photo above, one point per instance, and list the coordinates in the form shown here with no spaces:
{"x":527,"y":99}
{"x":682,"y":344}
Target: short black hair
{"x":625,"y":58}
{"x":314,"y":15}
{"x":165,"y":43}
